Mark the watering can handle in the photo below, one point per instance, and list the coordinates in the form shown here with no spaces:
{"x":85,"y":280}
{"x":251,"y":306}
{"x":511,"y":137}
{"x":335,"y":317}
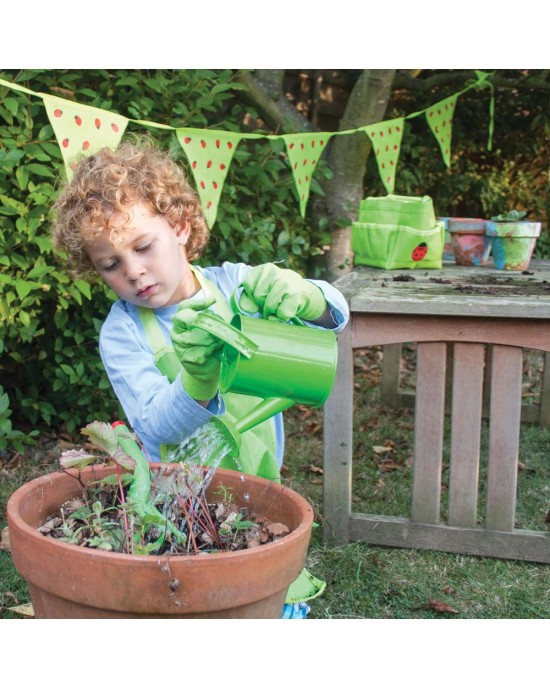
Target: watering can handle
{"x":237,"y":308}
{"x":212,"y":323}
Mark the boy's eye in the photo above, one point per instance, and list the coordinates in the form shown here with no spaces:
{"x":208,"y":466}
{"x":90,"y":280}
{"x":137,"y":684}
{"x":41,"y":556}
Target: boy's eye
{"x":110,"y":267}
{"x":143,"y":249}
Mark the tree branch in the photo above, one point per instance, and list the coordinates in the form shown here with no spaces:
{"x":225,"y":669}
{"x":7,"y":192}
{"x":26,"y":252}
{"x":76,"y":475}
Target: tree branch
{"x":265,"y":93}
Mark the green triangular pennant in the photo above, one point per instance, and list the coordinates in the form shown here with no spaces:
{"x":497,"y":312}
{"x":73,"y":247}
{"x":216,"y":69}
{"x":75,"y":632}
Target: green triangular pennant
{"x":209,"y":153}
{"x":440,"y":119}
{"x":304,"y":151}
{"x":82,"y":129}
{"x":386,"y":144}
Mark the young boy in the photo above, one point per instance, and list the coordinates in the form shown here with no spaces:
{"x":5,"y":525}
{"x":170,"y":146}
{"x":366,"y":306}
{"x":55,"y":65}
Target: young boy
{"x":131,"y":216}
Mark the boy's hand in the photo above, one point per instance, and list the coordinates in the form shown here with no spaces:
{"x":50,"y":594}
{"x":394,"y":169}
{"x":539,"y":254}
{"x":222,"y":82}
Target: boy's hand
{"x":197,"y":352}
{"x":281,"y":292}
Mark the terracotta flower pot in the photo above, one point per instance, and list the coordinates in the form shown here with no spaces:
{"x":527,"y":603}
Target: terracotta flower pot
{"x":469,"y":242}
{"x":69,"y":581}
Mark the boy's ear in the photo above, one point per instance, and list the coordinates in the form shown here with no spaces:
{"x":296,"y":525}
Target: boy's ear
{"x":183,"y":230}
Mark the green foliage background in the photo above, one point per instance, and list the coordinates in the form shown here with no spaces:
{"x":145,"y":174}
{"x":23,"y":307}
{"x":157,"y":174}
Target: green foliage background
{"x":50,"y":371}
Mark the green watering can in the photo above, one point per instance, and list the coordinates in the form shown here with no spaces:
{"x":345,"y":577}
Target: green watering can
{"x":284,"y":363}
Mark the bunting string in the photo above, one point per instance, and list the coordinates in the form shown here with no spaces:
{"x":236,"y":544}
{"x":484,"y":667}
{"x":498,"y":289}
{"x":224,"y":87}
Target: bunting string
{"x":84,"y":129}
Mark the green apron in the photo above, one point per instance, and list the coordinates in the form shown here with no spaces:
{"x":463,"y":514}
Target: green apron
{"x":257,"y":450}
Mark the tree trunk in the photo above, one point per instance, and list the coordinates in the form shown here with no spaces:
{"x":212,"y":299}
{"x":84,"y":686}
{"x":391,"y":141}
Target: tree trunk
{"x":347,"y":159}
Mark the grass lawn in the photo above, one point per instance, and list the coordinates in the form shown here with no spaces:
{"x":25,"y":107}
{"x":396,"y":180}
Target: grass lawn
{"x":364,"y":581}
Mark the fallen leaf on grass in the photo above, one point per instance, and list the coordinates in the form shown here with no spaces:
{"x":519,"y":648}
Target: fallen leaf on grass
{"x":23,"y":609}
{"x":316,"y":481}
{"x":315,"y":469}
{"x":382,"y":450}
{"x":442,"y":607}
{"x":369,"y":424}
{"x":388,"y":466}
{"x":310,"y":429}
{"x":5,"y":540}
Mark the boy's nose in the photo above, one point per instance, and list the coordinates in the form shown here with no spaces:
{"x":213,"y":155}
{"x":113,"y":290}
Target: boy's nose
{"x":134,"y":270}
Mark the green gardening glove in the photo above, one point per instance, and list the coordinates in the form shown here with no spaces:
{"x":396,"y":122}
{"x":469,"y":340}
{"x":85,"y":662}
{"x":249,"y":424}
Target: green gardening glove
{"x":280,"y":292}
{"x":197,"y":352}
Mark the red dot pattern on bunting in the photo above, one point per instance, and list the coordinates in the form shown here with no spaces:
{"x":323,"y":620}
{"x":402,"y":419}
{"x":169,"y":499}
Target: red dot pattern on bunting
{"x":386,"y":144}
{"x":440,"y":121}
{"x":81,"y":129}
{"x":209,"y":154}
{"x":304,"y":152}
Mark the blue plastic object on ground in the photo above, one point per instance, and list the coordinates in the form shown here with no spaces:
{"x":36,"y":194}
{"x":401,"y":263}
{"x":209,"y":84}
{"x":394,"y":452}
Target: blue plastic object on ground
{"x":298,"y":610}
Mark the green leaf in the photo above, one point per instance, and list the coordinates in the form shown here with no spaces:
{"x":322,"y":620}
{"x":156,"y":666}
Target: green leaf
{"x":283,"y":238}
{"x":24,"y":318}
{"x":84,"y":287}
{"x":77,"y":458}
{"x":22,"y":177}
{"x":103,"y":435}
{"x":23,"y":287}
{"x":5,"y":425}
{"x":39,"y":271}
{"x":41,"y":170}
{"x":4,"y":402}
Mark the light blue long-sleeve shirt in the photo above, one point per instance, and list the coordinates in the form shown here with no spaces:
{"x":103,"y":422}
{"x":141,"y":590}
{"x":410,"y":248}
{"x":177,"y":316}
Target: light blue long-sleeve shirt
{"x":158,"y":411}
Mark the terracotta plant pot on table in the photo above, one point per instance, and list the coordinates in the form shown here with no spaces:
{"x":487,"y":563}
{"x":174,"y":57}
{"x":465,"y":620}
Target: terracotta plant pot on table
{"x":469,"y":242}
{"x":70,"y":581}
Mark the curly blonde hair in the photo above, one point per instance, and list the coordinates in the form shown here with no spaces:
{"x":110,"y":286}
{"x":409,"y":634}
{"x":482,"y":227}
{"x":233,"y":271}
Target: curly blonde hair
{"x":109,"y":183}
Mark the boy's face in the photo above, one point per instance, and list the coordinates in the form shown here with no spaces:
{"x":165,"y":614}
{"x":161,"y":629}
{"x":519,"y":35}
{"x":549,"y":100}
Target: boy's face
{"x":147,"y":265}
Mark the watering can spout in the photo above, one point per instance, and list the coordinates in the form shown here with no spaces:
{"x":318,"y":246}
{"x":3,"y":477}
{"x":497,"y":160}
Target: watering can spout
{"x":266,"y":409}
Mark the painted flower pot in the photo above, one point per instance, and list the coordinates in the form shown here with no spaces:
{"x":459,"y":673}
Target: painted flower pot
{"x":70,"y":581}
{"x":512,"y":243}
{"x":469,"y":242}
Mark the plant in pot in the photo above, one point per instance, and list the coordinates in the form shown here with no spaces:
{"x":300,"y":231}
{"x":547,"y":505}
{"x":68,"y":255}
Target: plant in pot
{"x":512,"y":239}
{"x":123,"y":538}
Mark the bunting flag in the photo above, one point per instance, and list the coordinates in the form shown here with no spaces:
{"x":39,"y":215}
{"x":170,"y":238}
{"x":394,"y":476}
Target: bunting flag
{"x":209,"y":154}
{"x":81,"y":129}
{"x":386,"y":144}
{"x":440,"y":121}
{"x":304,"y":151}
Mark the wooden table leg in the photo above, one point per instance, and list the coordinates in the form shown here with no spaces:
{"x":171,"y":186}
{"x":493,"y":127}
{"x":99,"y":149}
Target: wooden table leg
{"x":338,"y":445}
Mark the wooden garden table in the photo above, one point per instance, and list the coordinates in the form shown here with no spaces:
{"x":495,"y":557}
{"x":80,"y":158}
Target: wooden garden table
{"x":473,"y":318}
